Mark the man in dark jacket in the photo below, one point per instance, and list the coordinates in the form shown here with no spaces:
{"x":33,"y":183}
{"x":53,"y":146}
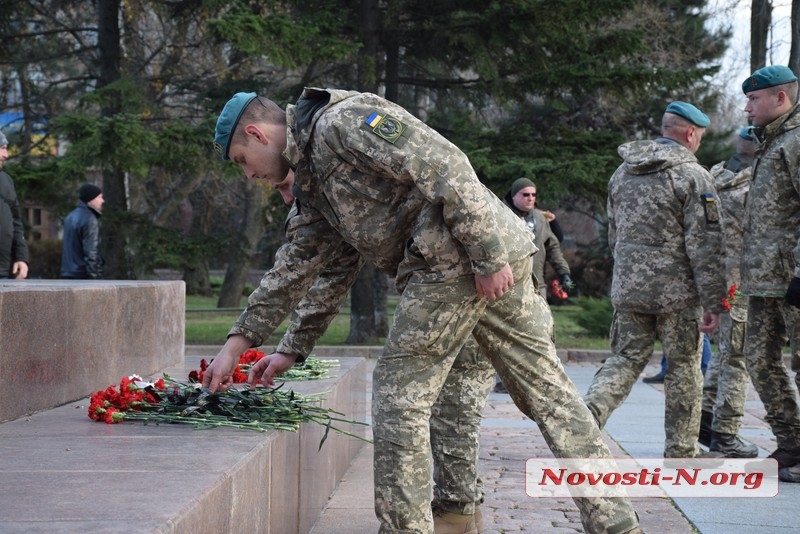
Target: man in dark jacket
{"x":80,"y":257}
{"x":13,"y":247}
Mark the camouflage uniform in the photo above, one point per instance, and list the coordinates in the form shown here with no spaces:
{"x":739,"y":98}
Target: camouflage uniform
{"x":665,"y":237}
{"x":770,"y":258}
{"x":456,"y":431}
{"x":370,"y":176}
{"x":456,"y":414}
{"x":726,"y":379}
{"x":545,"y":240}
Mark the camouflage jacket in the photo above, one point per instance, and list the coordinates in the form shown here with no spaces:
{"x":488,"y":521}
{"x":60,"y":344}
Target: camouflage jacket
{"x":732,"y":189}
{"x":771,"y":225}
{"x":373,"y":182}
{"x":544,"y":239}
{"x":664,"y":231}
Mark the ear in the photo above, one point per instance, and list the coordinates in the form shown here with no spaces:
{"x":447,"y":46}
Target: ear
{"x":690,"y":133}
{"x":256,"y":132}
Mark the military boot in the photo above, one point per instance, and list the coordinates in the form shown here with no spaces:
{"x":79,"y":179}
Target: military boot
{"x":731,"y":446}
{"x":789,"y":474}
{"x":451,"y":523}
{"x":706,"y":418}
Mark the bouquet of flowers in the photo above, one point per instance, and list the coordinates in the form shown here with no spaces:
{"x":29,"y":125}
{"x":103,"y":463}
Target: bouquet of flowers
{"x":168,"y":401}
{"x":733,"y":294}
{"x":558,"y":291}
{"x":311,"y":369}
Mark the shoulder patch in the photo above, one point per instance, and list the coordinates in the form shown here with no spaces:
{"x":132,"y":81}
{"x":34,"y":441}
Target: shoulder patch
{"x":388,"y":128}
{"x":710,"y":207}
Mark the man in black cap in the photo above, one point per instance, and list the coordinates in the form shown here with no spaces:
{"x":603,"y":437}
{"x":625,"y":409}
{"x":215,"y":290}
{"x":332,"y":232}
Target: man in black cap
{"x":80,"y":257}
{"x":13,"y":247}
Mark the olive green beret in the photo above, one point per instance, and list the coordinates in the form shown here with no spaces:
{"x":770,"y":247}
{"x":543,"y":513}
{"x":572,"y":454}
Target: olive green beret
{"x":688,"y":112}
{"x":227,"y":121}
{"x":768,"y":77}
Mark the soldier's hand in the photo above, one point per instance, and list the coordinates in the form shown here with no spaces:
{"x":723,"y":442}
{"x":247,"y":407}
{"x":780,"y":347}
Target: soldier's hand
{"x":710,"y":322}
{"x":792,"y":297}
{"x":494,"y":285}
{"x":219,"y":374}
{"x":270,"y":366}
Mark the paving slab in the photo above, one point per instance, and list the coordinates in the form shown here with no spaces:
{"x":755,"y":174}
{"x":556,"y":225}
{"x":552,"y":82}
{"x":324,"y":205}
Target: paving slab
{"x":636,"y":429}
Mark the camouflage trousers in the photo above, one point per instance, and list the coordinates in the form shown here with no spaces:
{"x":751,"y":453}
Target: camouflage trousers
{"x":632,"y":338}
{"x":431,"y":324}
{"x":456,"y":431}
{"x":770,"y":324}
{"x":726,"y":380}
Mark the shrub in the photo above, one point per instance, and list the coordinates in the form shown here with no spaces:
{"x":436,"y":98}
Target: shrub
{"x":595,"y":316}
{"x":44,"y":258}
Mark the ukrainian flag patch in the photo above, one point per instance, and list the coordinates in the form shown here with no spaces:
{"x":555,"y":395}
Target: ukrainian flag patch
{"x":710,"y":206}
{"x":388,"y":128}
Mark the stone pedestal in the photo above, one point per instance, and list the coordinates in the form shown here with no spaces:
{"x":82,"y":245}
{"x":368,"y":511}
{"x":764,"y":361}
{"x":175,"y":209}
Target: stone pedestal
{"x":61,"y":340}
{"x":62,"y":472}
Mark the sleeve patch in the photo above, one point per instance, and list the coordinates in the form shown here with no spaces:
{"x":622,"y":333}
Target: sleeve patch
{"x":389,"y":128}
{"x":711,"y":208}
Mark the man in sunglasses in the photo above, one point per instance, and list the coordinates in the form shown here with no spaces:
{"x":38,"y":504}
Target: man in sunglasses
{"x":521,"y":198}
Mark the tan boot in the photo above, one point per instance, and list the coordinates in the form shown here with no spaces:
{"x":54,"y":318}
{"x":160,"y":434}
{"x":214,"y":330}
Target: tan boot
{"x":452,"y":523}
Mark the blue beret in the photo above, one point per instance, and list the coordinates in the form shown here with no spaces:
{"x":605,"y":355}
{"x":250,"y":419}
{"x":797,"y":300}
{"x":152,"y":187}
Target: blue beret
{"x":746,"y":133}
{"x":227,"y":121}
{"x":688,"y":112}
{"x":768,"y":77}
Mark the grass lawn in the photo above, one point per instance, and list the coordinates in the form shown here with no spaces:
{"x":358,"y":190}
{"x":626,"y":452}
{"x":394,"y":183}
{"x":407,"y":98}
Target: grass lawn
{"x":211,"y":327}
{"x":570,"y":334}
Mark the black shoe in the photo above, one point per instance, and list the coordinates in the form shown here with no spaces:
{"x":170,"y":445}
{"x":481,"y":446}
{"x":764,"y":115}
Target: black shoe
{"x":786,"y":457}
{"x":655,"y":379}
{"x":701,"y":459}
{"x":500,"y":388}
{"x":789,"y":474}
{"x":731,"y":446}
{"x":706,"y":418}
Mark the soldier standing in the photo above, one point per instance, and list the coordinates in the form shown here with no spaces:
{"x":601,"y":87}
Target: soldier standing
{"x":371,"y":180}
{"x":665,"y":237}
{"x":726,"y":380}
{"x":770,"y":266}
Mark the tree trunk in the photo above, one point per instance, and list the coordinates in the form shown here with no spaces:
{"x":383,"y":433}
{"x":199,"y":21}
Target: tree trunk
{"x":241,"y":255}
{"x":197,"y":280}
{"x":366,"y":302}
{"x":380,"y":293}
{"x":362,"y":308}
{"x":113,"y":229}
{"x":760,"y":22}
{"x":368,"y":53}
{"x":195,"y":273}
{"x":794,"y":55}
